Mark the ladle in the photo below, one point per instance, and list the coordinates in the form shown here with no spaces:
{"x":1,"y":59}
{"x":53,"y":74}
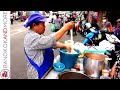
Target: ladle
{"x":71,"y":32}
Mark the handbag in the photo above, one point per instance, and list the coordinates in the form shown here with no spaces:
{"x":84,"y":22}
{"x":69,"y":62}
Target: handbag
{"x":52,"y":28}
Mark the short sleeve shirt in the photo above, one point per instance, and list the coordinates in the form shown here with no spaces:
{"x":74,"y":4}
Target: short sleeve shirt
{"x":35,"y":45}
{"x":57,"y":23}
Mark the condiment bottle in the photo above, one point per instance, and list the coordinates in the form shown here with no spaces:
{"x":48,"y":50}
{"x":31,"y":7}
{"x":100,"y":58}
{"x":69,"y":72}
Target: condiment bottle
{"x":105,"y":71}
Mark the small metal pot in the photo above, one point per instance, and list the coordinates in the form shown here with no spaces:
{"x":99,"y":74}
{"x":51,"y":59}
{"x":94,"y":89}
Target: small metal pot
{"x":93,"y":64}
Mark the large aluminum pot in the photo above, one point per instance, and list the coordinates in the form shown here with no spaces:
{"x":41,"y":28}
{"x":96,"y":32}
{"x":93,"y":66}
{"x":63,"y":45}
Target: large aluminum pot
{"x":72,"y":75}
{"x":93,"y":64}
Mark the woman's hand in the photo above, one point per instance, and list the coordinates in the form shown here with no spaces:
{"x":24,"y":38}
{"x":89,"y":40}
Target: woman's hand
{"x":69,"y":25}
{"x":62,"y":45}
{"x":113,"y":72}
{"x":68,"y":47}
{"x":66,"y":27}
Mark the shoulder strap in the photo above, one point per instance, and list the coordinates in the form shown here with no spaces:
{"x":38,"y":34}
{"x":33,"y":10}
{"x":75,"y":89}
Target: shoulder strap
{"x":31,"y":61}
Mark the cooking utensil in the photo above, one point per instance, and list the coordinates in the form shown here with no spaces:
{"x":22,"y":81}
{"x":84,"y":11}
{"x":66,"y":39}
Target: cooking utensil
{"x":93,"y":64}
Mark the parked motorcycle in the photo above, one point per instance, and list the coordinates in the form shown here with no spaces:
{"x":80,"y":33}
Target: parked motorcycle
{"x":82,"y":27}
{"x":87,"y":29}
{"x":108,"y":39}
{"x":90,"y":38}
{"x":109,"y":36}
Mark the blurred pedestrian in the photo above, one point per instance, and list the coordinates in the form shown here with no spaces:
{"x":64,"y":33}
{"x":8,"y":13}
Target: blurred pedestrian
{"x":78,"y":26}
{"x":11,"y":17}
{"x":53,"y":17}
{"x":65,"y":19}
{"x":85,"y":15}
{"x":24,"y":15}
{"x":71,"y":18}
{"x":57,"y":23}
{"x":106,"y":24}
{"x":21,"y":16}
{"x":116,"y":29}
{"x":94,"y":24}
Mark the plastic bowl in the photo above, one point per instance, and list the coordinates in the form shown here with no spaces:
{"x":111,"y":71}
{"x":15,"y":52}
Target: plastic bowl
{"x":58,"y":66}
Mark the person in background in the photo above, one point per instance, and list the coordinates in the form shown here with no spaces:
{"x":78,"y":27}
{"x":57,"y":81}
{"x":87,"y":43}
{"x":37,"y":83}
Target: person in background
{"x":24,"y":15}
{"x":113,"y":71}
{"x":57,"y":23}
{"x":11,"y":17}
{"x":94,"y":24}
{"x":53,"y":17}
{"x":61,"y":17}
{"x":38,"y":47}
{"x":65,"y":19}
{"x":78,"y":26}
{"x":107,"y":24}
{"x":116,"y":29}
{"x":21,"y":16}
{"x":85,"y":15}
{"x":71,"y":18}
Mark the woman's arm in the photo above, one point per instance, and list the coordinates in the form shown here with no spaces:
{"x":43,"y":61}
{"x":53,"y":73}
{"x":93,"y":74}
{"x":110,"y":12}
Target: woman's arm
{"x":61,"y":32}
{"x":37,"y":41}
{"x":62,"y":45}
{"x":113,"y":71}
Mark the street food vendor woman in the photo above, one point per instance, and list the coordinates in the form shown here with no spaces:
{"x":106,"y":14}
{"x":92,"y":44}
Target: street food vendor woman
{"x":38,"y":47}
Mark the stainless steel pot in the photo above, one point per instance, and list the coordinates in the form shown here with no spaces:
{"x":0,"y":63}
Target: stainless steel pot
{"x":93,"y":64}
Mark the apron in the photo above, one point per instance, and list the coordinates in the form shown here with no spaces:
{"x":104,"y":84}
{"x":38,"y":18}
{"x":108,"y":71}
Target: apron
{"x":47,"y":62}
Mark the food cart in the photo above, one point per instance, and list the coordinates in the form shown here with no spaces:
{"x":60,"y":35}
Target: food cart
{"x":84,"y":68}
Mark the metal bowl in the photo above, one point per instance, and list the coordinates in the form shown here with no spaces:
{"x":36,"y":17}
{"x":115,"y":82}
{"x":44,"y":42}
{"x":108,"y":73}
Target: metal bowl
{"x":72,"y":75}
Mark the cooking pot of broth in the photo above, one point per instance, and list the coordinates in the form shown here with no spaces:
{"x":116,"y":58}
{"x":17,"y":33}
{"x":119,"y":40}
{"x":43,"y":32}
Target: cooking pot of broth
{"x":93,"y":63}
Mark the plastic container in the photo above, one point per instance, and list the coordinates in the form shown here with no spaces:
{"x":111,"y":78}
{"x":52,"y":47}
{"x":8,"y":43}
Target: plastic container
{"x":58,"y":66}
{"x":68,"y":59}
{"x":105,"y":77}
{"x":96,"y":51}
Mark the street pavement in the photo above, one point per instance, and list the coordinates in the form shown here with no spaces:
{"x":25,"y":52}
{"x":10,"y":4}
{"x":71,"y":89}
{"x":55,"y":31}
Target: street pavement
{"x":18,"y":59}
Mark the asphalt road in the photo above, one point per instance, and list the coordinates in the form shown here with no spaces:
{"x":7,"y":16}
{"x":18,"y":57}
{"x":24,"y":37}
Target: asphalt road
{"x":18,"y":59}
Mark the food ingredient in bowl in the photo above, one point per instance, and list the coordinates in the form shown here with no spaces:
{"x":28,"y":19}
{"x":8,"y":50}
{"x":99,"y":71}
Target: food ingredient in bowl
{"x":59,"y":67}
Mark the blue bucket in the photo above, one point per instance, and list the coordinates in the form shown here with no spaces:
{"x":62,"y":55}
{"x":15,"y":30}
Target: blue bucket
{"x":67,"y":59}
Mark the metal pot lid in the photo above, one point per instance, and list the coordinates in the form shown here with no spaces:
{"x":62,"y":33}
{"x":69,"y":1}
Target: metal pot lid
{"x":95,"y":56}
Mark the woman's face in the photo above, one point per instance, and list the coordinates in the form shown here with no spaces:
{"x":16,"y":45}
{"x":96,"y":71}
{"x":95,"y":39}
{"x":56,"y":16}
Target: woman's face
{"x":118,"y":23}
{"x":40,"y":28}
{"x":104,"y":20}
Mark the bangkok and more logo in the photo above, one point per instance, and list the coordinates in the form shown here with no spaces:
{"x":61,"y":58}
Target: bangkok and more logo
{"x":5,"y":74}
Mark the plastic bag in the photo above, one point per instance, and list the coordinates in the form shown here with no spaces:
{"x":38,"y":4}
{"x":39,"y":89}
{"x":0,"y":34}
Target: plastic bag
{"x":52,"y":28}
